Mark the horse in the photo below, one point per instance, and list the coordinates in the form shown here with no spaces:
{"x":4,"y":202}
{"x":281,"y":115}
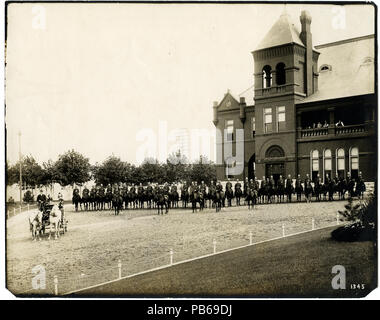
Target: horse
{"x":251,"y":197}
{"x":238,"y":195}
{"x":262,"y":193}
{"x":289,"y":190}
{"x":308,"y":191}
{"x":173,"y":198}
{"x":229,"y":195}
{"x":76,"y":200}
{"x":317,"y":191}
{"x":280,"y":191}
{"x":55,"y":219}
{"x":108,"y":199}
{"x":92,"y":199}
{"x":198,"y":197}
{"x":124,"y":195}
{"x":360,"y":188}
{"x":184,"y":197}
{"x":35,"y":222}
{"x":85,"y":200}
{"x":132,"y":198}
{"x":331,"y":189}
{"x":117,"y":203}
{"x":299,"y":190}
{"x":211,"y":196}
{"x":149,"y":197}
{"x":218,"y":200}
{"x":162,"y":201}
{"x":140,"y":197}
{"x":341,"y":189}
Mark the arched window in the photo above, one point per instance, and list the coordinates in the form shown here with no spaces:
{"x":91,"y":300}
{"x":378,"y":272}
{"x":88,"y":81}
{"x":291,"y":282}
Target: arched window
{"x":274,"y":152}
{"x":314,"y":164}
{"x":354,"y":162}
{"x":327,"y":163}
{"x":325,"y":67}
{"x":267,"y":77}
{"x":340,"y":163}
{"x":280,"y":74}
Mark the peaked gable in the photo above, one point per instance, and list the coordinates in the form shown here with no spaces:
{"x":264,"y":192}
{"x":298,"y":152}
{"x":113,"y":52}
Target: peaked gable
{"x":228,"y":102}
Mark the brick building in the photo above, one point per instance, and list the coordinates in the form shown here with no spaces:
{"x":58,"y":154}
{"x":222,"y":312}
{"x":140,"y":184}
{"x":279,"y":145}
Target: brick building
{"x":311,"y":110}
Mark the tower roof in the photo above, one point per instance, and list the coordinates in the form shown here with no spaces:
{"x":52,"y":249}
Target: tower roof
{"x":282,"y":32}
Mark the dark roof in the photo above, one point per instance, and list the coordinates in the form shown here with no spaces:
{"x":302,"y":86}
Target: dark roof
{"x":228,"y":102}
{"x":282,"y":32}
{"x":350,"y":69}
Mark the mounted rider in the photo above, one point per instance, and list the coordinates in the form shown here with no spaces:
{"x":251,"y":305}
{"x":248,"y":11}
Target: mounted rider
{"x":289,"y":187}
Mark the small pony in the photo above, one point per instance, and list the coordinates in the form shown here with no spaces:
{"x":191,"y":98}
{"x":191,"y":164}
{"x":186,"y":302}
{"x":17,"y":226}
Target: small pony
{"x":55,"y":219}
{"x":35,"y":222}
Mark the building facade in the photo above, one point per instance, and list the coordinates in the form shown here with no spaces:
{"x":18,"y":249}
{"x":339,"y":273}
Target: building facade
{"x":312,"y":109}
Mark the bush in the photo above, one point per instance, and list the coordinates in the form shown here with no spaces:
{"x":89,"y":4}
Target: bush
{"x":28,"y":197}
{"x":363,"y":221}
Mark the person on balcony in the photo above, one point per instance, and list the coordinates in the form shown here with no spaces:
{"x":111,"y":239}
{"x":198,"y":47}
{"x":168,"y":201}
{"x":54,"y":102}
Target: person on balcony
{"x":339,"y":124}
{"x":319,"y":125}
{"x":325,"y":125}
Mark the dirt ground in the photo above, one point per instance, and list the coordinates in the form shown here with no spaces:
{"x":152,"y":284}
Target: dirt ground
{"x":89,"y":252}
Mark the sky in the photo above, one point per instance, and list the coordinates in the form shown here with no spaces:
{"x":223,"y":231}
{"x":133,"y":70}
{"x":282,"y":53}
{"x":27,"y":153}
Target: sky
{"x":107,"y":79}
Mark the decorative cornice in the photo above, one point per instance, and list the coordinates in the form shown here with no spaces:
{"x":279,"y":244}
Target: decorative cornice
{"x":282,"y":50}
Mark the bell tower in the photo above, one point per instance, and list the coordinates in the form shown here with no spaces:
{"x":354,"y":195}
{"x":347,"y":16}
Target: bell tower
{"x":284,"y":64}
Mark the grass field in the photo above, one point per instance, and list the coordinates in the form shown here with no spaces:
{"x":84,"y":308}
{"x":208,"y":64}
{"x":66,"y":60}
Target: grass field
{"x":88,"y":254}
{"x":296,"y":266}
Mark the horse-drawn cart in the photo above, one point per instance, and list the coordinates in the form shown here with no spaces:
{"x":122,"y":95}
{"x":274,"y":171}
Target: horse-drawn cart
{"x":48,"y":219}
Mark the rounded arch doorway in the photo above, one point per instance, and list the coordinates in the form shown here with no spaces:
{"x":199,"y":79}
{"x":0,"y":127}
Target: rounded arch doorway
{"x":275,"y":166}
{"x":251,"y":167}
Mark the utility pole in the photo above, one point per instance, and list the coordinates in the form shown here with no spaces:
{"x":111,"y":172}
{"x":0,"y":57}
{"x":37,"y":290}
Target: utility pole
{"x":20,"y":160}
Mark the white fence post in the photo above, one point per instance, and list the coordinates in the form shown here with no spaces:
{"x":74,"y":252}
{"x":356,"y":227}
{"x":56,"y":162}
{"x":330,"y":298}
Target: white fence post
{"x":250,"y":237}
{"x":56,"y":285}
{"x":119,"y":266}
{"x":14,"y":211}
{"x":171,"y":256}
{"x":337,"y":218}
{"x":283,"y":230}
{"x":28,"y":207}
{"x":214,"y":243}
{"x":312,"y":224}
{"x":20,"y":209}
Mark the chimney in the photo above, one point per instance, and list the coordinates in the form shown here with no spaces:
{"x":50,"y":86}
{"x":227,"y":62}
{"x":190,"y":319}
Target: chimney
{"x":305,"y":36}
{"x":242,"y":109}
{"x":215,"y":108}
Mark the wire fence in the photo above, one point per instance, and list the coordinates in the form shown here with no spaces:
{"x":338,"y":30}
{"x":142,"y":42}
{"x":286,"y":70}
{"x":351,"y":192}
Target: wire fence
{"x":185,"y":249}
{"x":13,"y":210}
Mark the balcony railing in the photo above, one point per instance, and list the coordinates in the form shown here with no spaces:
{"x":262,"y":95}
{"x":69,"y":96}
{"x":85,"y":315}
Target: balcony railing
{"x":332,"y":130}
{"x":314,"y":132}
{"x":350,"y":129}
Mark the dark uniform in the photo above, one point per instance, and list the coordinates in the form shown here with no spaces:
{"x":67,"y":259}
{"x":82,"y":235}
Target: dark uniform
{"x":41,"y":200}
{"x":289,"y":188}
{"x":299,"y":188}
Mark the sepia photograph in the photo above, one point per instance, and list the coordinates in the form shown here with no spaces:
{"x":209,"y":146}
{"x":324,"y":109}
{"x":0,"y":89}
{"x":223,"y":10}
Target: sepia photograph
{"x":190,"y":150}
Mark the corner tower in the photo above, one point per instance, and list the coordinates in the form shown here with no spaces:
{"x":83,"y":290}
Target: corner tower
{"x":284,"y":64}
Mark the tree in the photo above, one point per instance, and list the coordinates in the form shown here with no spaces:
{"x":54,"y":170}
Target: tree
{"x":111,"y":171}
{"x":31,"y":172}
{"x":49,"y":173}
{"x":202,"y":170}
{"x":72,"y":168}
{"x":177,"y":168}
{"x":12,"y":174}
{"x":149,"y":171}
